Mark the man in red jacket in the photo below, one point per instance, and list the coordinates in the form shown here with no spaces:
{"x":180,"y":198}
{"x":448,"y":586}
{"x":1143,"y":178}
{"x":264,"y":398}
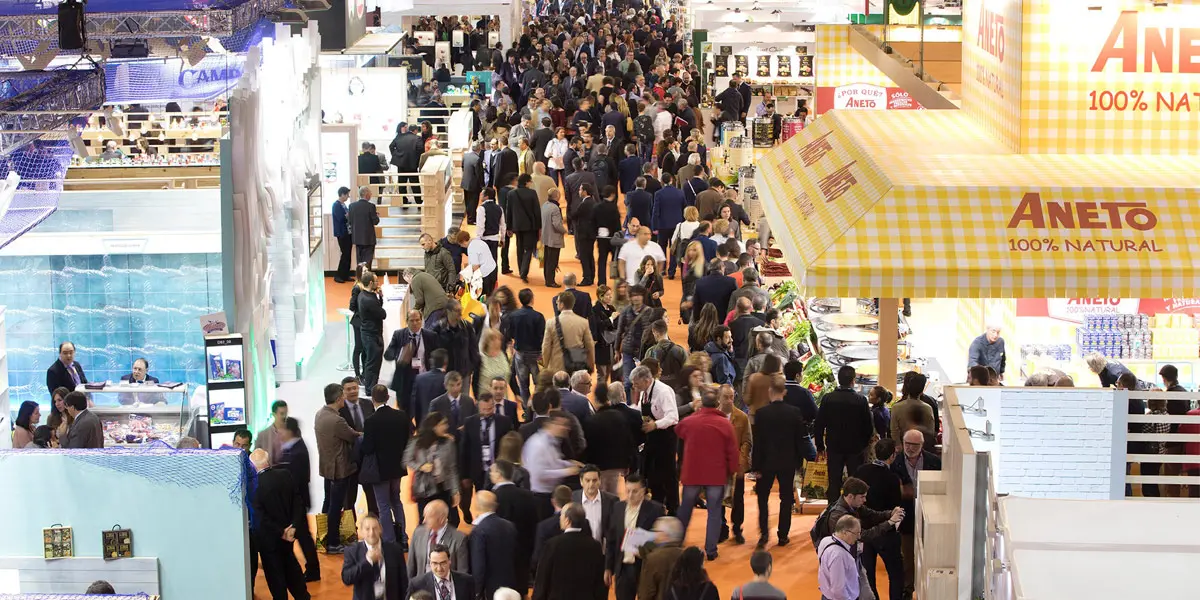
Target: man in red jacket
{"x":710,"y":458}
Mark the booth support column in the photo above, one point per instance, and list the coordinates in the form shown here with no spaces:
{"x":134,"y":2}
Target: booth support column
{"x":889,"y":335}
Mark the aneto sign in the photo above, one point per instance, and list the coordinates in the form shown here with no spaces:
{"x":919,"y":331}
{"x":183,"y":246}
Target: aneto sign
{"x":864,"y":96}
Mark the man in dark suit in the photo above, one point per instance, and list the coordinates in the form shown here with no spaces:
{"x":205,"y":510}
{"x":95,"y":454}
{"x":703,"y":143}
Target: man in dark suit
{"x":574,"y":563}
{"x":586,"y":232}
{"x":277,"y":514}
{"x":429,"y":385}
{"x":385,"y":434}
{"x":714,"y":288}
{"x":472,"y":179}
{"x":368,"y":162}
{"x":778,"y":451}
{"x":139,"y":373}
{"x":355,"y":411}
{"x":906,"y":467}
{"x":883,"y":495}
{"x":375,"y":566}
{"x":540,"y":406}
{"x":409,"y":347}
{"x":843,"y":428}
{"x":596,"y":504}
{"x":362,"y":218}
{"x":638,"y":203}
{"x":455,"y":403}
{"x":86,"y":430}
{"x":571,"y":398}
{"x":517,"y":506}
{"x":498,"y":386}
{"x":629,"y":169}
{"x":342,"y":232}
{"x":583,"y":300}
{"x":65,"y":372}
{"x":478,"y":446}
{"x":548,"y":528}
{"x":493,"y":547}
{"x":526,"y":222}
{"x":440,"y":581}
{"x":578,"y":178}
{"x":666,"y":213}
{"x":294,"y":456}
{"x":406,"y":150}
{"x":621,"y":569}
{"x":506,"y":163}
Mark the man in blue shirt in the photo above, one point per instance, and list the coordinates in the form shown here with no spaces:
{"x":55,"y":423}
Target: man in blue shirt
{"x":342,"y":232}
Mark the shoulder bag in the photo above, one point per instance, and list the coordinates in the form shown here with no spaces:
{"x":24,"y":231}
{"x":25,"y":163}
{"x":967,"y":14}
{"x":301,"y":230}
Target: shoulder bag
{"x":574,"y":359}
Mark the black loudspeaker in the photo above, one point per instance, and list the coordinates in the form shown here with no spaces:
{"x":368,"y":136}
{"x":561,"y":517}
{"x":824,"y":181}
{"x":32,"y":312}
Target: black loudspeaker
{"x":72,"y":34}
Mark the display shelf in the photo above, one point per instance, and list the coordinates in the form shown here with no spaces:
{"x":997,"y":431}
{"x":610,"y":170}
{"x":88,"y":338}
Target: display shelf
{"x":129,"y":422}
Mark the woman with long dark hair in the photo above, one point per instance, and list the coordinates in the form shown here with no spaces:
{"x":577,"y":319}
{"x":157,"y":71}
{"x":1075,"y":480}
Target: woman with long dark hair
{"x":432,"y":458}
{"x":60,"y":420}
{"x":689,"y":579}
{"x":701,"y":330}
{"x":604,"y":332}
{"x":28,"y":416}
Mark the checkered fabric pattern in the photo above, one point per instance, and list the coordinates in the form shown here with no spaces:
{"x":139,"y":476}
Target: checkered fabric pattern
{"x":969,"y":324}
{"x":1000,"y":113}
{"x":1062,"y":42}
{"x":837,"y":63}
{"x":922,"y":225}
{"x":912,"y":132}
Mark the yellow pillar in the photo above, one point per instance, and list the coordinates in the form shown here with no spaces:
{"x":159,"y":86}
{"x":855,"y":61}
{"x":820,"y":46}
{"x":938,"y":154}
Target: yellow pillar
{"x":889,"y":336}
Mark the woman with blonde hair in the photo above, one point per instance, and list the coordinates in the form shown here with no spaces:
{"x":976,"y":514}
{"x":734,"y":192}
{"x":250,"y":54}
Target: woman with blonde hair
{"x":510,"y":450}
{"x":493,"y":360}
{"x":692,"y":263}
{"x":720,"y":231}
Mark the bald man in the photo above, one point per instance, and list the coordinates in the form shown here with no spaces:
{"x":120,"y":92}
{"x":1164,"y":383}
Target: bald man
{"x":410,"y":348}
{"x":493,"y":548}
{"x":435,"y":529}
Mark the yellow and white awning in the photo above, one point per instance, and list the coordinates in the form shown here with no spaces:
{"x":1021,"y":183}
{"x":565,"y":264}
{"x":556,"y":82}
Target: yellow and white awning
{"x":926,"y":204}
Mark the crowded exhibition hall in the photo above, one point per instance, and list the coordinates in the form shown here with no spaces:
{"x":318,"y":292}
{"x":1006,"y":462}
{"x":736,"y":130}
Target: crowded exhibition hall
{"x":599,"y":299}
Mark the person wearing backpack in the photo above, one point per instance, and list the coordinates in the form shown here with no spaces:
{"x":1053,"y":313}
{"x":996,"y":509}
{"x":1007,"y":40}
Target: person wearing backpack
{"x":670,"y":356}
{"x":759,"y":588}
{"x":852,"y":501}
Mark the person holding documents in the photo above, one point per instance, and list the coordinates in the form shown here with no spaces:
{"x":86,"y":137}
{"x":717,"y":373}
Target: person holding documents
{"x":635,"y":513}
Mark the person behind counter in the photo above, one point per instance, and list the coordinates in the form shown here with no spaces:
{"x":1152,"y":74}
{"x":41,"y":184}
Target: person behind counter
{"x":28,"y":416}
{"x":111,"y":152}
{"x":140,"y":373}
{"x":65,"y":372}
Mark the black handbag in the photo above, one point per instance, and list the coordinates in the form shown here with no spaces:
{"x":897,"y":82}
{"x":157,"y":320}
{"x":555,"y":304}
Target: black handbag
{"x":369,"y":471}
{"x":574,"y":359}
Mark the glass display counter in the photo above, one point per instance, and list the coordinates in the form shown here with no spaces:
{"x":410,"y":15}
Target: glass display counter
{"x":137,"y":414}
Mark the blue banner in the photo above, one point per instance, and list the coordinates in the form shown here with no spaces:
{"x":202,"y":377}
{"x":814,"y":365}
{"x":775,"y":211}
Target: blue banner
{"x":165,"y":80}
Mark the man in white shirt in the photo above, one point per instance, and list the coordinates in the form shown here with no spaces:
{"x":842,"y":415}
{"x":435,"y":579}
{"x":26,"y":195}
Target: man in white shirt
{"x":632,"y":253}
{"x":374,"y":567}
{"x":660,"y":414}
{"x":480,"y":259}
{"x":596,"y":504}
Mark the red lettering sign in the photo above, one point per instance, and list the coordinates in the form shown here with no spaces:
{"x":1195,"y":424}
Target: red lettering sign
{"x":1167,"y":50}
{"x":1081,"y":215}
{"x":990,"y":36}
{"x":837,"y":183}
{"x":815,"y":150}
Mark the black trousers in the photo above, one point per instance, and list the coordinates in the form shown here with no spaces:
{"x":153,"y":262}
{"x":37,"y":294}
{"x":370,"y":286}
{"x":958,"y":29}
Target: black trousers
{"x":586,"y":248}
{"x":625,"y":580}
{"x":356,"y":356}
{"x":372,"y":345}
{"x":526,"y":246}
{"x":410,"y":185}
{"x":549,"y":263}
{"x":402,"y":384}
{"x":464,"y":503}
{"x":887,"y":548}
{"x":659,"y":468}
{"x":762,"y":487}
{"x":282,"y":572}
{"x":352,"y":486}
{"x":603,"y":252}
{"x":308,"y":547}
{"x":343,"y":270}
{"x":489,"y":282}
{"x":837,"y":462}
{"x":506,"y":244}
{"x":737,"y":510}
{"x":366,"y":254}
{"x":471,"y":204}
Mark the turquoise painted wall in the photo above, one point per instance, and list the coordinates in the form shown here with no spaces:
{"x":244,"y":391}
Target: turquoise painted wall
{"x":184,"y":507}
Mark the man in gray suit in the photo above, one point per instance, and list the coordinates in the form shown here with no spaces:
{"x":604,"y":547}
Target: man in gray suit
{"x":85,"y":431}
{"x":433,"y":530}
{"x":362,"y":219}
{"x":552,"y":236}
{"x":472,"y":179}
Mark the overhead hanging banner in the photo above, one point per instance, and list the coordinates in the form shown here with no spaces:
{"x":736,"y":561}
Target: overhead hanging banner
{"x":864,"y":96}
{"x":172,"y":79}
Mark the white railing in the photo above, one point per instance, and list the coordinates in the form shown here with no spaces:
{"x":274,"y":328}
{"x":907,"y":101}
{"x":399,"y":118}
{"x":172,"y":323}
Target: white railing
{"x":1160,"y":468}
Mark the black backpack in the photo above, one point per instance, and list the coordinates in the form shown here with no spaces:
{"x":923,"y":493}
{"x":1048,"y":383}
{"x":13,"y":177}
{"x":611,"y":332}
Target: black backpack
{"x":821,"y":529}
{"x":643,"y":127}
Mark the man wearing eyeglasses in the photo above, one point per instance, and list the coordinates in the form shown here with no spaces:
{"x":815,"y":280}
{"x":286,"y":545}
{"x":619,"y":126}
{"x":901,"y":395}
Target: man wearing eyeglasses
{"x":915,"y":459}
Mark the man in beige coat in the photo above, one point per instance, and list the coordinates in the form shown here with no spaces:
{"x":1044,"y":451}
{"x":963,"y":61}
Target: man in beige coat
{"x":575,"y":332}
{"x":335,"y":462}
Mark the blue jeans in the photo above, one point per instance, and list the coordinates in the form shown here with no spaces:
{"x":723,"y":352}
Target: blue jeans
{"x":556,"y":175}
{"x":525,"y":366}
{"x":714,"y":494}
{"x":627,"y":367}
{"x":391,"y":512}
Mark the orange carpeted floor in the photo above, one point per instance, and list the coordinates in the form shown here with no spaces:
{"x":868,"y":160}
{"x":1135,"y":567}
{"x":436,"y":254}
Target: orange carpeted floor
{"x":795,"y":565}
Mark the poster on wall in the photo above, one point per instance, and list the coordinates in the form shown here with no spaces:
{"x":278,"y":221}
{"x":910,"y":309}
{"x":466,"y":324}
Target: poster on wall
{"x":784,"y":68}
{"x":764,"y":65}
{"x":493,"y":38}
{"x":742,"y":64}
{"x":726,"y":50}
{"x":441,"y":54}
{"x":806,"y":65}
{"x":424,"y":38}
{"x":721,"y":65}
{"x":864,"y":96}
{"x":456,"y":37}
{"x":225,"y":386}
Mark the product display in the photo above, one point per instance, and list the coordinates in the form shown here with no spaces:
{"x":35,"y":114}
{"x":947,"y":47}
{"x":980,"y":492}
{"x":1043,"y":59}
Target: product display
{"x":117,"y":543}
{"x":132,"y":415}
{"x":58,"y":542}
{"x":1120,"y":336}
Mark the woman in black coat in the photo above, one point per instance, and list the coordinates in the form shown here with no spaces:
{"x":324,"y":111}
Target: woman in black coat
{"x":603,"y":330}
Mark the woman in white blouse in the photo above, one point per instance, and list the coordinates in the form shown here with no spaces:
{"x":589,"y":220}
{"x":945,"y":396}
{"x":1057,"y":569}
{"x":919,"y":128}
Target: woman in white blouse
{"x":555,"y":151}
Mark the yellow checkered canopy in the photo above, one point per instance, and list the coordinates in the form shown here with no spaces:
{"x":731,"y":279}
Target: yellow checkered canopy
{"x":926,"y":204}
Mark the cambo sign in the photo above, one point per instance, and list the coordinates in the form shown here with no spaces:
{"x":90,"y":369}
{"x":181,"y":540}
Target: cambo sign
{"x":863,"y":96}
